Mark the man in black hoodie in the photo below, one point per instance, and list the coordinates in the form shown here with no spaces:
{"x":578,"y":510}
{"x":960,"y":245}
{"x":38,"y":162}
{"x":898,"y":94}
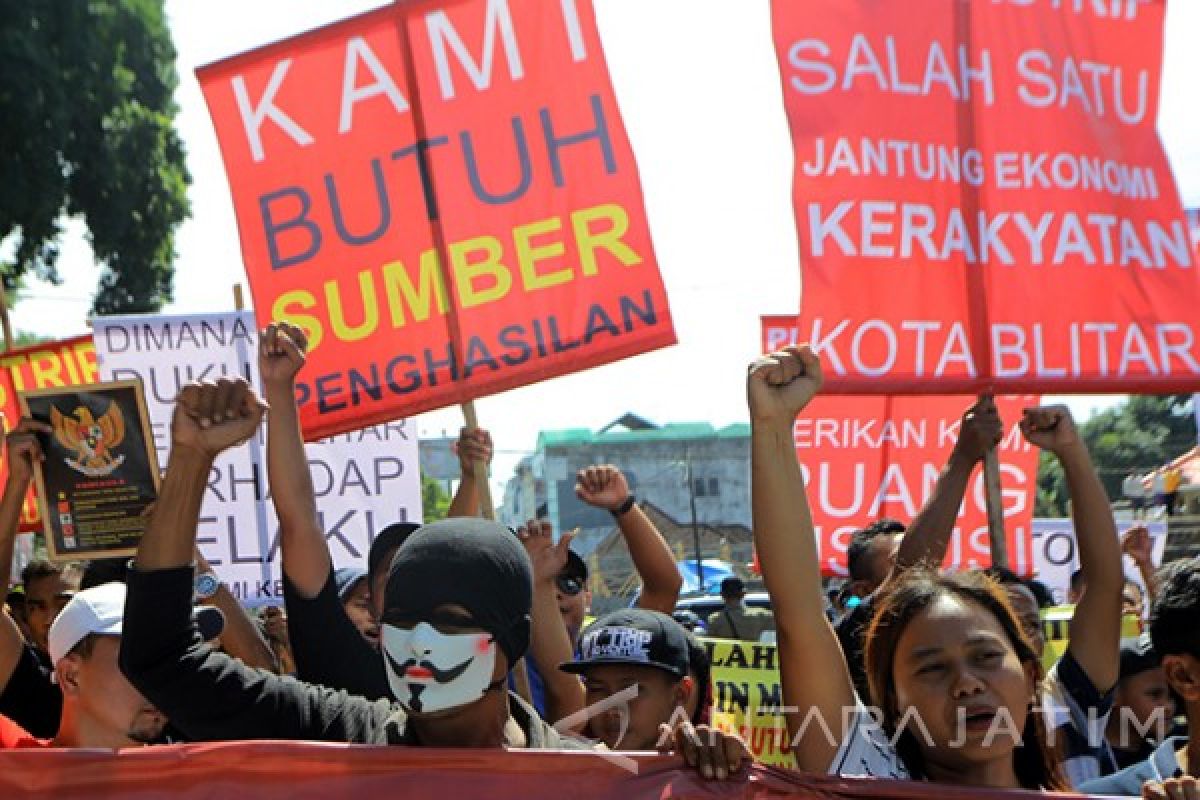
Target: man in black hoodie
{"x":456,"y":617}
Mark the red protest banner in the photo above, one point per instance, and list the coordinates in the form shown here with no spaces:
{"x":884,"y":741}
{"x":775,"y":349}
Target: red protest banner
{"x":484,"y":128}
{"x":300,"y":770}
{"x":864,"y":458}
{"x":41,"y":366}
{"x":982,"y":200}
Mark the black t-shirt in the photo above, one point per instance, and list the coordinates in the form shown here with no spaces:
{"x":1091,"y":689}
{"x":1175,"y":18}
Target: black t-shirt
{"x":328,"y":648}
{"x":30,"y":698}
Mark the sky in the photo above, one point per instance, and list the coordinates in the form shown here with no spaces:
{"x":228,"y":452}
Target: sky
{"x":699,"y":90}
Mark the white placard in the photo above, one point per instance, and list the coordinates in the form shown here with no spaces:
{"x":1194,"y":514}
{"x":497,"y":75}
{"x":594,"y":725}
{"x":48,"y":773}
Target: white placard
{"x":1056,"y":554}
{"x":363,"y":480}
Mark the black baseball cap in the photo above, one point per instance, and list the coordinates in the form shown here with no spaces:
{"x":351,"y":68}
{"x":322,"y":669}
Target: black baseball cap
{"x":633,"y":636}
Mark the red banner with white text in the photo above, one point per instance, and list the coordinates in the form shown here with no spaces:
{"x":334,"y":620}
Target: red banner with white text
{"x":41,"y":366}
{"x":486,"y":130}
{"x":868,"y":457}
{"x":982,"y":200}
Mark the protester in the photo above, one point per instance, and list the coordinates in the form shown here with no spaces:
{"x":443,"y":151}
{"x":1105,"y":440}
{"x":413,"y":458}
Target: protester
{"x":946,"y":658}
{"x":1174,"y":765}
{"x":605,"y":486}
{"x":642,"y":658}
{"x":1172,"y":478}
{"x":27,"y":694}
{"x":735,"y":620}
{"x":1077,"y":692}
{"x":14,"y":604}
{"x":1142,"y":705}
{"x":556,"y":695}
{"x":871,"y":554}
{"x":99,"y":706}
{"x":1158,"y":485}
{"x":354,"y":592}
{"x":602,"y":486}
{"x":273,"y":621}
{"x":457,"y":606}
{"x":327,"y":647}
{"x":886,"y":547}
{"x":1134,"y":489}
{"x":1136,"y":544}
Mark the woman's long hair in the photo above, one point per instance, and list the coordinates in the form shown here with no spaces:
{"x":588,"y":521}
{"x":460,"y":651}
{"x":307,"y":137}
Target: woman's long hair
{"x":1035,"y":763}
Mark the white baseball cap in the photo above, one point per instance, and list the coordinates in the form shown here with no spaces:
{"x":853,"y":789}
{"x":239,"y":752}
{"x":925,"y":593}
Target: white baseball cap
{"x":95,"y":610}
{"x":100,"y":610}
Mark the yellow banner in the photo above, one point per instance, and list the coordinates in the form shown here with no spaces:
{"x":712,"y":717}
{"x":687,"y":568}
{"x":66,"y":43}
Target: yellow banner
{"x":746,"y":697}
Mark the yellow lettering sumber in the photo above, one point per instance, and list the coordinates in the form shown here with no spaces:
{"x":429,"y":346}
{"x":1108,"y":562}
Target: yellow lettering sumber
{"x":467,"y":272}
{"x":337,"y":315}
{"x":528,"y":254}
{"x":288,"y":307}
{"x":608,"y":239}
{"x":401,"y":292}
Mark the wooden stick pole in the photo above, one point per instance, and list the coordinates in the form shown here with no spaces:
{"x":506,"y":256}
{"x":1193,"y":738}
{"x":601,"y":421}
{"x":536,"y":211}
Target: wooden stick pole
{"x":239,"y":299}
{"x":995,"y":508}
{"x":482,"y":478}
{"x":4,"y":321}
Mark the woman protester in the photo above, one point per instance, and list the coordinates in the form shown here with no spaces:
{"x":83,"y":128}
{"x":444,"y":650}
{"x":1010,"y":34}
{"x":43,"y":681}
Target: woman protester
{"x":947,"y":663}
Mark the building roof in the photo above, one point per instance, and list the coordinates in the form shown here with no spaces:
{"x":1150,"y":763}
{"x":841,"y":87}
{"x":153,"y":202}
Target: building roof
{"x":671,"y":432}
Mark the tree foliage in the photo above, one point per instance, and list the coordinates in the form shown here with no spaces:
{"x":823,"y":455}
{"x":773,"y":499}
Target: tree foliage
{"x":86,"y":99}
{"x":434,"y":500}
{"x":1141,"y":434}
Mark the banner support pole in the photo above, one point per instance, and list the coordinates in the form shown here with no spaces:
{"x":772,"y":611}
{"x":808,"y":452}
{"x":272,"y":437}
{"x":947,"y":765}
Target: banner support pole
{"x":482,"y":477}
{"x":995,"y":507}
{"x":4,"y":320}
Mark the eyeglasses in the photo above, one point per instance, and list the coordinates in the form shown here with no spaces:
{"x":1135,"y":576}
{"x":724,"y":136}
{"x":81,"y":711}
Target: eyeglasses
{"x":570,"y":585}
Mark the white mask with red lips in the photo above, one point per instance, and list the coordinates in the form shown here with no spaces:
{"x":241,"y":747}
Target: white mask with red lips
{"x":431,"y":671}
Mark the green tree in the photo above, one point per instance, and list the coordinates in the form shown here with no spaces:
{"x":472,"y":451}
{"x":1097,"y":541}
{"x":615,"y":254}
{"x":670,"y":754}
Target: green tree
{"x":434,"y":500}
{"x":86,"y":99}
{"x":1141,"y":434}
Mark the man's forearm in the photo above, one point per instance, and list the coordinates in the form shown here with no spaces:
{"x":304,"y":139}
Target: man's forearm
{"x":1146,"y":569}
{"x":305,"y":554}
{"x":1095,"y":629}
{"x":170,"y":538}
{"x":241,"y":638}
{"x":10,"y":519}
{"x":653,"y":560}
{"x":550,"y":646}
{"x":465,"y":502}
{"x":928,"y":536}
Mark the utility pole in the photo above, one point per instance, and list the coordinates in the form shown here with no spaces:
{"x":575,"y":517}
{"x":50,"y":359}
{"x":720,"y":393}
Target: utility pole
{"x":691,"y":484}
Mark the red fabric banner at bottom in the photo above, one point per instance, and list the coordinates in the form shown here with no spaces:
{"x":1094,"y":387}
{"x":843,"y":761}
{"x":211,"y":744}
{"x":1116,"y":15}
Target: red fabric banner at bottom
{"x":293,"y":770}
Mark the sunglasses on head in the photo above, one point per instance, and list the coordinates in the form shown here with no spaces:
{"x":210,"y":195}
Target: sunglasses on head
{"x":569,"y":584}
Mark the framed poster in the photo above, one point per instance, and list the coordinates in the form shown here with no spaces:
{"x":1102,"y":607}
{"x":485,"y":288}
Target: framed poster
{"x":100,"y":472}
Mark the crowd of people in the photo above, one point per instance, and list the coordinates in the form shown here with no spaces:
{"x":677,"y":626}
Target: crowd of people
{"x":465,"y":633}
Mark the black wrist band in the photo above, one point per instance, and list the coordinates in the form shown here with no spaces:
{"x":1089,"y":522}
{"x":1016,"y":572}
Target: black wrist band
{"x":622,"y":509}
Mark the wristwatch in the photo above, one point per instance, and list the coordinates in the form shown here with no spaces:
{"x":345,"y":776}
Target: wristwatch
{"x":205,"y":586}
{"x":623,"y":509}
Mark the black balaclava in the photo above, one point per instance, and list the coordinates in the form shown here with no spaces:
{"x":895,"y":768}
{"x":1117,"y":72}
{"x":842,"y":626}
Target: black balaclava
{"x":474,"y":563}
